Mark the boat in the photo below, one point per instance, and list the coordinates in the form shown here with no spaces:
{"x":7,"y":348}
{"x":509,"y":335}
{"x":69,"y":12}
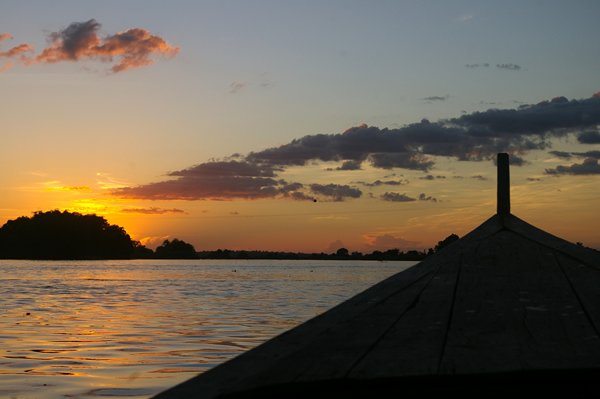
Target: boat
{"x":506,"y":309}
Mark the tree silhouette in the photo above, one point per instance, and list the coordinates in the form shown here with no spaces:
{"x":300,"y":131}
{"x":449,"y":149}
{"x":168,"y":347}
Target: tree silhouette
{"x":176,"y":249}
{"x":64,"y":235}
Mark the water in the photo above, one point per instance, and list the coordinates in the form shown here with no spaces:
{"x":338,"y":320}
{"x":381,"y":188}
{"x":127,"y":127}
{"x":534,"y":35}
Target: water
{"x":130,"y":329}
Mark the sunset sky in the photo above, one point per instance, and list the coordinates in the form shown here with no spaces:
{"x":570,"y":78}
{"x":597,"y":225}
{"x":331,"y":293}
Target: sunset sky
{"x":220,"y":122}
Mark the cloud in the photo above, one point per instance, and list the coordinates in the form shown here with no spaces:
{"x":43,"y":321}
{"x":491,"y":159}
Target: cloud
{"x":510,"y":67}
{"x":424,"y":197}
{"x":16,"y":53}
{"x":384,"y":242}
{"x":396,"y":197}
{"x":432,"y":177}
{"x":560,"y":154}
{"x":235,"y":87}
{"x":350,"y":165}
{"x":226,"y":168}
{"x":336,"y":191}
{"x":211,"y":180}
{"x":474,"y":66}
{"x":431,"y":99}
{"x":479,"y":177}
{"x":507,"y":66}
{"x":592,"y":137}
{"x":152,"y":211}
{"x":132,"y":48}
{"x":300,"y":196}
{"x":568,"y":155}
{"x":588,"y":167}
{"x":534,"y":179}
{"x":378,"y":183}
{"x":473,"y":137}
{"x":588,"y":154}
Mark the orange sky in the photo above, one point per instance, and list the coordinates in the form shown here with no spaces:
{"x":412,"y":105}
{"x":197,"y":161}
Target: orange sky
{"x":220,"y":124}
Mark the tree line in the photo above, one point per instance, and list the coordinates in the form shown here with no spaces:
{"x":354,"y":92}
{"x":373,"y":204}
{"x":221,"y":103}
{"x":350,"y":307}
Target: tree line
{"x":55,"y":235}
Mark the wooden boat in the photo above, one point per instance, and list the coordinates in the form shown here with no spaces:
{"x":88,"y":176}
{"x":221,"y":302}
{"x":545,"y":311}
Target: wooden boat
{"x":507,"y":308}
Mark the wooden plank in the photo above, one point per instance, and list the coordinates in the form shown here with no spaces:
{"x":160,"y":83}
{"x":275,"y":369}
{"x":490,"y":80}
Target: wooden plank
{"x":515,"y":310}
{"x":585,"y":282}
{"x":413,"y":346}
{"x":332,"y":354}
{"x":585,"y":255}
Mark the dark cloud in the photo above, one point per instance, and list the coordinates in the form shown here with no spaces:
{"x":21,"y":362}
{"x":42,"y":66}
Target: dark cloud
{"x":436,"y":98}
{"x":568,"y":155}
{"x":424,"y":197}
{"x":479,"y":177}
{"x":378,"y":183}
{"x":588,"y":167}
{"x":474,"y":66}
{"x":560,"y":154}
{"x":300,"y":196}
{"x":212,"y":180}
{"x":132,"y":48}
{"x":588,"y":154}
{"x":511,"y":67}
{"x":592,"y":137}
{"x":472,"y":137}
{"x":349,"y":165}
{"x":336,"y":192}
{"x":534,"y":179}
{"x":396,"y":197}
{"x":226,"y":168}
{"x":152,"y":211}
{"x":432,"y":177}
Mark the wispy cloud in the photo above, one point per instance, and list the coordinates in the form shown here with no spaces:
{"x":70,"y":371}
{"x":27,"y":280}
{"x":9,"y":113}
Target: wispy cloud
{"x":378,"y":183}
{"x":432,"y":177}
{"x":236,"y":86}
{"x":505,"y":66}
{"x":396,"y":197}
{"x":336,"y":192}
{"x":589,"y":166}
{"x":425,"y":197}
{"x":510,"y":67}
{"x":132,"y":48}
{"x":591,"y":137}
{"x":152,"y":211}
{"x":432,"y":99}
{"x":387,"y":241}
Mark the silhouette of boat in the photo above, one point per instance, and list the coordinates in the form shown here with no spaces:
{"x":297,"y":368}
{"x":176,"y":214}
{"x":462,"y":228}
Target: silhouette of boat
{"x":508,"y":308}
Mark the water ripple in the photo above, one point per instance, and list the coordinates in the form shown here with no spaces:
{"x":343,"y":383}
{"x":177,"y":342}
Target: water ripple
{"x":130,"y":329}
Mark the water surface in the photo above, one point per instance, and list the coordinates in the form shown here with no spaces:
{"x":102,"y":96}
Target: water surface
{"x":131,"y":329}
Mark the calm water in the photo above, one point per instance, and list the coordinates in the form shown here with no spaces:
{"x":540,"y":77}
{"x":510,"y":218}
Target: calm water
{"x":134,"y":328}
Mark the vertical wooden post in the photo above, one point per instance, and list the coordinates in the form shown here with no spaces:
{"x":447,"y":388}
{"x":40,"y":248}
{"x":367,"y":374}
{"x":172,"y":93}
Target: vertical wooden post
{"x":503,"y":185}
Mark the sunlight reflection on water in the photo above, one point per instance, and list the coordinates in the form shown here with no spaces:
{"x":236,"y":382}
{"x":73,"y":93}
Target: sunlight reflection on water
{"x":130,"y":329}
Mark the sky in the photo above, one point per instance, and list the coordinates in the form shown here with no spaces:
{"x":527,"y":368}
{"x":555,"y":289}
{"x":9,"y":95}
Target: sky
{"x":301,"y":126}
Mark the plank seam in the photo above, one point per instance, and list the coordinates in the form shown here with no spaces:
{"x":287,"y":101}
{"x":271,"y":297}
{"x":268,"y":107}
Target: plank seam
{"x":579,"y":300}
{"x":451,"y":313}
{"x":393,"y":324}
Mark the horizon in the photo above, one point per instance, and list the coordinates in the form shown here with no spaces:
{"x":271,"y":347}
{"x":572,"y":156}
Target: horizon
{"x":220,"y":124}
